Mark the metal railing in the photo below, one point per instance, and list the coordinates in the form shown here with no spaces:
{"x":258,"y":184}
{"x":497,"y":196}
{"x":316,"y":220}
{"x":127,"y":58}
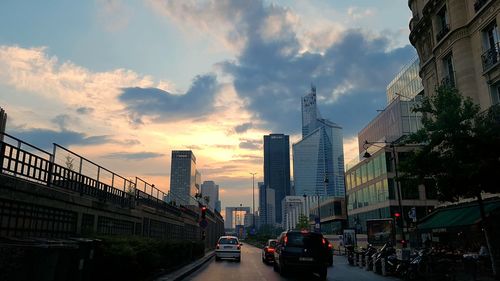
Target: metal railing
{"x":444,"y":30}
{"x":479,"y":4}
{"x":491,"y":56}
{"x":23,"y":160}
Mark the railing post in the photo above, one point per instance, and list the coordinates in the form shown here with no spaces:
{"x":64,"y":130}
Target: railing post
{"x":2,"y":155}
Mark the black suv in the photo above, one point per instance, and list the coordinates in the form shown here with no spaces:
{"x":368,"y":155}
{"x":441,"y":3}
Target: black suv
{"x":301,"y":250}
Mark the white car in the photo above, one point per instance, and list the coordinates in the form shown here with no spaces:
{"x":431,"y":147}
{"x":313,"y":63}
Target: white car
{"x":228,"y":247}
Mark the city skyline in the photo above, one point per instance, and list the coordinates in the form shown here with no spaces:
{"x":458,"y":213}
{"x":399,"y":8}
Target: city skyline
{"x":124,"y":84}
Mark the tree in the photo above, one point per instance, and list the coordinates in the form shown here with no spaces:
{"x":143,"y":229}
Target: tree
{"x":303,"y":222}
{"x":459,"y":150}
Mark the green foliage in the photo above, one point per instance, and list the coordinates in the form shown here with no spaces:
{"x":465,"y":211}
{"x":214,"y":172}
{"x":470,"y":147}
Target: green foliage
{"x":460,"y":146}
{"x":138,"y":258}
{"x":303,"y":222}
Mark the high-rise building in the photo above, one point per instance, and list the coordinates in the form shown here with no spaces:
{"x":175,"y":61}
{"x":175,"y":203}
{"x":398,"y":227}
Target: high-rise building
{"x":370,"y":182}
{"x":211,"y":190}
{"x":318,"y":159}
{"x":183,"y":177}
{"x":3,"y":122}
{"x":458,"y":44}
{"x":291,"y":208}
{"x":267,"y":213}
{"x":277,"y":168}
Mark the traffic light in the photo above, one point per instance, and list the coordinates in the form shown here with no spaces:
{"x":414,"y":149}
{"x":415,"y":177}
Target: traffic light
{"x":203,"y":212}
{"x":397,"y":219}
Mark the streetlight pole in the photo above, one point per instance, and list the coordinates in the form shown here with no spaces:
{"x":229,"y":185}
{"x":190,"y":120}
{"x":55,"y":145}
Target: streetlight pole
{"x":253,"y":199}
{"x":398,"y":184}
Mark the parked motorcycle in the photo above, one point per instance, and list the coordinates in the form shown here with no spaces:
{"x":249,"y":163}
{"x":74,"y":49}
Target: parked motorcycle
{"x":350,"y":254}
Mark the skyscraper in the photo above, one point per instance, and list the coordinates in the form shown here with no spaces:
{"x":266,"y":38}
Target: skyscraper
{"x":318,"y":159}
{"x":3,"y":122}
{"x":266,"y":205}
{"x":183,"y":176}
{"x":277,"y":168}
{"x":210,"y":189}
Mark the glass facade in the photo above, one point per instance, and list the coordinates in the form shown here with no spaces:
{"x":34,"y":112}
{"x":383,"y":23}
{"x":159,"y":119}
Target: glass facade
{"x":183,"y":176}
{"x":407,"y":83}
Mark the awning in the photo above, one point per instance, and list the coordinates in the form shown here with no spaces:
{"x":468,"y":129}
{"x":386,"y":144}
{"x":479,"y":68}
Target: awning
{"x":458,"y":215}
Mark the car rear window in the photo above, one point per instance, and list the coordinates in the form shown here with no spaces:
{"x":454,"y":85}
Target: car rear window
{"x":303,"y":239}
{"x":272,"y":243}
{"x":231,"y":241}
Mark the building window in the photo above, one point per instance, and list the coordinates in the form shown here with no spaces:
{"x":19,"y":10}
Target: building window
{"x":478,"y":4}
{"x":448,"y":72}
{"x":490,"y":56}
{"x":442,"y":24}
{"x":495,"y":94}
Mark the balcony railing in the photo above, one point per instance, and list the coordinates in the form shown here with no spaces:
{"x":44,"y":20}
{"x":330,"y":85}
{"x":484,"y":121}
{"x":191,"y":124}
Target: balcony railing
{"x":479,"y":4}
{"x":442,"y":32}
{"x":448,"y":80}
{"x":491,"y":57}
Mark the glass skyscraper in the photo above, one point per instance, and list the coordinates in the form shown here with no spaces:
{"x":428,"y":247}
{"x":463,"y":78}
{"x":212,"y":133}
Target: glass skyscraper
{"x":277,"y":168}
{"x":318,"y":159}
{"x":183,"y":176}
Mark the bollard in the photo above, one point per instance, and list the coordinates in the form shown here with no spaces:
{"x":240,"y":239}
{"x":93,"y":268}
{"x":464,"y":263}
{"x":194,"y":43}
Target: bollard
{"x":374,"y":268}
{"x":384,"y":273}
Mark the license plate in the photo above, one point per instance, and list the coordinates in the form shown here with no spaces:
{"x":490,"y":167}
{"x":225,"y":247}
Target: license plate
{"x":228,"y":247}
{"x":305,"y":259}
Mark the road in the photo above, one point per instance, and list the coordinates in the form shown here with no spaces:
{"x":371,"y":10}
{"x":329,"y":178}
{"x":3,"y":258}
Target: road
{"x":252,"y":268}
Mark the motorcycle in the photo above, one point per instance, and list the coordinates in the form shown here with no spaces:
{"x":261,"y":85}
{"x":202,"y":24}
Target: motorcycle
{"x":383,"y":254}
{"x":350,"y":254}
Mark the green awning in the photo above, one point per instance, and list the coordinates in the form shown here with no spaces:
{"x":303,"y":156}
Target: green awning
{"x":456,"y":216}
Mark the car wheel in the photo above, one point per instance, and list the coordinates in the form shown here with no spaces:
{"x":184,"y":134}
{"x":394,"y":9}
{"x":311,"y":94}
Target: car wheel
{"x":283,"y":271}
{"x":217,"y":258}
{"x":322,"y":273}
{"x":238,"y":259}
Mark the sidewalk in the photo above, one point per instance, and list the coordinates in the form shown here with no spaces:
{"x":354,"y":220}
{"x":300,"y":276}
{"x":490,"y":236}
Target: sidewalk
{"x":184,"y":271}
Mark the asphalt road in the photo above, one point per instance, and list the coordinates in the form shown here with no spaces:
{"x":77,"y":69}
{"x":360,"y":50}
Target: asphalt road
{"x":252,"y":268}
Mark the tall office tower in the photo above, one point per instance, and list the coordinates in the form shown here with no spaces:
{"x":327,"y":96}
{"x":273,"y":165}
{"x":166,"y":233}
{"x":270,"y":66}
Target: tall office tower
{"x":183,"y":177}
{"x":3,"y":122}
{"x":218,"y":206}
{"x":210,"y":189}
{"x":277,"y":168}
{"x":267,"y":213}
{"x":309,"y":112}
{"x":318,"y":159}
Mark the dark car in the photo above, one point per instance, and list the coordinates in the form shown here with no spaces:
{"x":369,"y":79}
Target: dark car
{"x":268,"y":251}
{"x":329,"y":252}
{"x":301,"y":250}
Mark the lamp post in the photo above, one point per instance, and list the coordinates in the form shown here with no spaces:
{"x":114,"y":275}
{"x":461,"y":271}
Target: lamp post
{"x":253,"y":199}
{"x":398,"y":185}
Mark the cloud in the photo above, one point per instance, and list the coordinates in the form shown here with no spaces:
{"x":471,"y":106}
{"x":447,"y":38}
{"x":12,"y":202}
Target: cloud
{"x":84,"y":110}
{"x":243,"y":127}
{"x":133,"y":156}
{"x":64,"y":121}
{"x":356,"y":13}
{"x":275,"y":62}
{"x":44,"y":138}
{"x":250,"y":144}
{"x":161,"y":105}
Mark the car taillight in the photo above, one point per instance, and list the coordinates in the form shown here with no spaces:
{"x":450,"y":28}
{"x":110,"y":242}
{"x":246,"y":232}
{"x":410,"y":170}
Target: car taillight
{"x":330,"y":246}
{"x":239,"y":247}
{"x":324,"y":241}
{"x":217,"y":247}
{"x":286,"y":240}
{"x":270,"y":250}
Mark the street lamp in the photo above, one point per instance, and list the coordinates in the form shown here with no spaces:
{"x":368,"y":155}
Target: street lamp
{"x":253,"y":199}
{"x":398,"y":185}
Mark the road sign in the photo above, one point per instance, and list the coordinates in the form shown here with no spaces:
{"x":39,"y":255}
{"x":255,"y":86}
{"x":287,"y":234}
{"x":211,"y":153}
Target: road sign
{"x":203,"y":224}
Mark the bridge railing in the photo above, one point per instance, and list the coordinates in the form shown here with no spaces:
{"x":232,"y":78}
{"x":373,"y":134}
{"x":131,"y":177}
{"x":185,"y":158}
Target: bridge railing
{"x":68,"y":170}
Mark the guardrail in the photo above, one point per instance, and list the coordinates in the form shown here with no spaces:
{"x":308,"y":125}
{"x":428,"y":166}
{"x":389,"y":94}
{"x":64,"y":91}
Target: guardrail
{"x":23,"y":160}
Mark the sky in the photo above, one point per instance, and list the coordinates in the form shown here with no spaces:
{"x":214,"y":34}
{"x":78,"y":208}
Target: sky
{"x":123,"y":83}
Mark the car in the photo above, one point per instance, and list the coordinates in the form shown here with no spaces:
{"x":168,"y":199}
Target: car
{"x":268,"y":251}
{"x":301,"y":250}
{"x":329,"y":252}
{"x":228,"y":247}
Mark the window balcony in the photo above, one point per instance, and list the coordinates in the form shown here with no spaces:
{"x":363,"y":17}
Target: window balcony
{"x":491,"y":57}
{"x":479,"y":4}
{"x":442,"y":32}
{"x":448,"y":80}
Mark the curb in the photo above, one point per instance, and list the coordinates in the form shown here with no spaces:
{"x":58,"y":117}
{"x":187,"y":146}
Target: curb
{"x":186,"y":270}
